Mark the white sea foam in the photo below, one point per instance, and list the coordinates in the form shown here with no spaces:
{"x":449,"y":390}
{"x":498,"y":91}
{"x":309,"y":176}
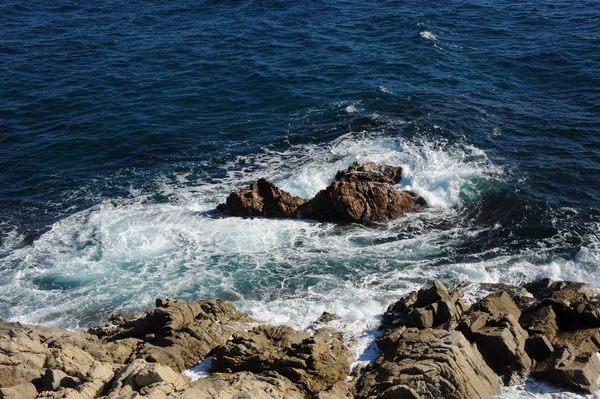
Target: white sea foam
{"x":427,"y":35}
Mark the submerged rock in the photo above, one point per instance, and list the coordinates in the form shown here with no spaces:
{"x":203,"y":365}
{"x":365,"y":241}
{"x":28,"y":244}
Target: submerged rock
{"x":363,"y":193}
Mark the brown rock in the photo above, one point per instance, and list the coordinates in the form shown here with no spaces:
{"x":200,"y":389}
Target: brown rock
{"x":139,"y":374}
{"x":179,"y":334}
{"x":362,"y":193}
{"x":370,"y":172}
{"x":358,"y":202}
{"x":263,"y":199}
{"x":314,"y":363}
{"x":428,"y":363}
{"x":492,"y":324}
{"x":242,"y":385}
{"x":570,"y":368}
{"x":431,"y":306}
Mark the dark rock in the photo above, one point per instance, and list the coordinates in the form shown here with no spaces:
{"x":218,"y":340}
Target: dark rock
{"x":358,"y":202}
{"x":431,"y":306}
{"x":492,"y":324}
{"x":570,"y":368}
{"x":263,"y":199}
{"x":370,"y":172}
{"x":327,"y":317}
{"x":539,"y":347}
{"x":55,"y":379}
{"x":362,"y":193}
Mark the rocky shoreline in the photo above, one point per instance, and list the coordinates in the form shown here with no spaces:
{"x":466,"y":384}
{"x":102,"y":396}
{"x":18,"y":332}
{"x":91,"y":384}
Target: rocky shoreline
{"x":432,"y":346}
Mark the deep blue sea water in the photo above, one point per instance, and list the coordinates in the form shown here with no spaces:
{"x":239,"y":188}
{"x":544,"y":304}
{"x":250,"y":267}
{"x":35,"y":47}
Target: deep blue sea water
{"x":123,"y":124}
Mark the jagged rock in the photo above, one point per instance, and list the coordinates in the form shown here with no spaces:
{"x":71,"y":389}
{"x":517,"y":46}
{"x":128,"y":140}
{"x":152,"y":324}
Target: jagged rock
{"x":570,"y":368}
{"x":519,"y":295}
{"x":358,"y":202}
{"x":242,"y":385}
{"x":263,"y":199}
{"x":362,"y":193}
{"x":431,"y":306}
{"x":577,"y":305}
{"x":371,"y":172}
{"x":427,"y":363}
{"x":492,"y":324}
{"x":179,"y":334}
{"x":313,"y":363}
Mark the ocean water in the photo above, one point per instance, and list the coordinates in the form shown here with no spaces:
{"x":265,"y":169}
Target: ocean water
{"x":123,"y":125}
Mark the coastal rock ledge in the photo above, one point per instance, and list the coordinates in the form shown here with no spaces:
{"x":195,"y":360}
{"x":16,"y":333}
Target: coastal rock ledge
{"x":363,"y":193}
{"x":431,"y":346}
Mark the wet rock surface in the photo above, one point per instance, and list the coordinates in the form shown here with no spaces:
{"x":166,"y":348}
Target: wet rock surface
{"x":363,"y":193}
{"x":432,"y":346}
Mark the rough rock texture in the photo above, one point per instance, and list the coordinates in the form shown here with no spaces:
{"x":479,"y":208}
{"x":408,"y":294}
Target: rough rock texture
{"x":564,"y":327}
{"x":570,"y":367}
{"x":563,"y":323}
{"x":370,"y":171}
{"x":79,"y":365}
{"x":431,"y":347}
{"x":179,"y":334}
{"x":358,"y":202}
{"x":243,"y":385}
{"x":363,"y":193}
{"x":493,"y":325}
{"x":427,"y":363}
{"x":263,"y":199}
{"x":431,"y":306}
{"x":313,"y":363}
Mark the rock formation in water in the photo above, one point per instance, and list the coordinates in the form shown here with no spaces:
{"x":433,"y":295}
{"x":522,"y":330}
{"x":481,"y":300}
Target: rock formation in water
{"x":432,"y":346}
{"x":363,"y":193}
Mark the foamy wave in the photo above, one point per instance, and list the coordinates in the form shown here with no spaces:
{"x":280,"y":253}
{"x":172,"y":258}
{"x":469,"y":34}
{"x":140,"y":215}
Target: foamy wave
{"x":427,"y":35}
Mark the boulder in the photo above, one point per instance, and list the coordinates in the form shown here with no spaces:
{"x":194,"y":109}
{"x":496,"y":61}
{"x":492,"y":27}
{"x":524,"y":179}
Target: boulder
{"x":263,"y":199}
{"x":427,"y":363}
{"x":315,"y":363}
{"x":139,"y":374}
{"x":569,"y":367}
{"x":56,"y":379}
{"x":358,"y":202}
{"x":492,"y":324}
{"x":433,"y":305}
{"x":371,"y":172}
{"x":363,"y":193}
